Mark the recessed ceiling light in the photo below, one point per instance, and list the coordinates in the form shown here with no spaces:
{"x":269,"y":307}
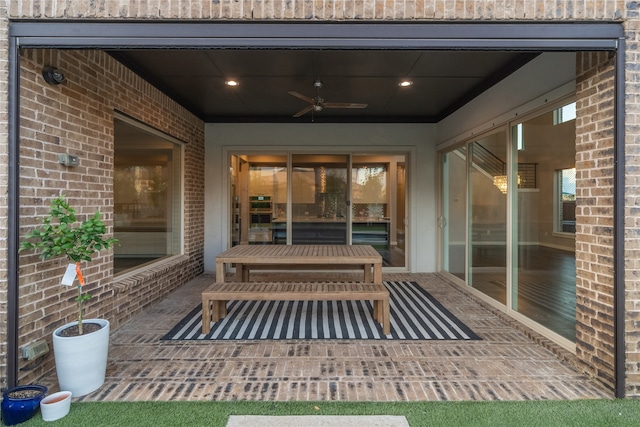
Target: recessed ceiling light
{"x":231,"y":83}
{"x":405,"y":83}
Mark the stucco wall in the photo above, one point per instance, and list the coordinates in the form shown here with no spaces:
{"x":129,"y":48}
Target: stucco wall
{"x":415,"y":140}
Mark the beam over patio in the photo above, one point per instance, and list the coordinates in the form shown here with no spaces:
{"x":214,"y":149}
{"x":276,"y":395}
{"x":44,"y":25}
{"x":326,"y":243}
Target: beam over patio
{"x":507,"y":364}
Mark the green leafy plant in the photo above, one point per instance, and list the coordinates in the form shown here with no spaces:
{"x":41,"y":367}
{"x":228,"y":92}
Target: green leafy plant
{"x":60,"y":235}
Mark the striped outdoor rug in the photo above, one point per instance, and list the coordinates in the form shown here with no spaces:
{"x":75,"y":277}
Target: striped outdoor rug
{"x":415,"y":315}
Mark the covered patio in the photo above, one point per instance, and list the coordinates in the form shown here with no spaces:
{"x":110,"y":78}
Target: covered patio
{"x":510,"y":362}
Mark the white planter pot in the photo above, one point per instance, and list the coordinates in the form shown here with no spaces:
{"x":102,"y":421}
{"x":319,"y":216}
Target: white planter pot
{"x":55,"y":406}
{"x":81,"y":361}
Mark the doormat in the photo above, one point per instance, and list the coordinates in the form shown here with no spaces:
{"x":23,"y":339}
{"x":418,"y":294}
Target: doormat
{"x":415,"y":315}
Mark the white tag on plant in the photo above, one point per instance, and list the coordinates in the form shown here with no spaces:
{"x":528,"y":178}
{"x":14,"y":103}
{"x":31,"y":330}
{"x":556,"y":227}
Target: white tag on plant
{"x":69,"y":275}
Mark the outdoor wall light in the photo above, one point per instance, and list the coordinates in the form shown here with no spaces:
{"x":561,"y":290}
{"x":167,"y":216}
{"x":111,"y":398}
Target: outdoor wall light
{"x":52,"y":75}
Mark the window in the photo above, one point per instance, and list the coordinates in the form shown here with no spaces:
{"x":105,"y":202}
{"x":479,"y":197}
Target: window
{"x":566,"y":202}
{"x":147,"y":195}
{"x":304,"y":198}
{"x":564,"y":114}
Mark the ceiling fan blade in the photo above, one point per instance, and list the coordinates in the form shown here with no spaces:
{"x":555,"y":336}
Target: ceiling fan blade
{"x":344,"y":105}
{"x":301,"y":96}
{"x":301,"y":112}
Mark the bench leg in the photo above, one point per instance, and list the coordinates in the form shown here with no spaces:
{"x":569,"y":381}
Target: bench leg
{"x":219,"y":310}
{"x":386,"y":317}
{"x":206,"y":316}
{"x":382,"y":315}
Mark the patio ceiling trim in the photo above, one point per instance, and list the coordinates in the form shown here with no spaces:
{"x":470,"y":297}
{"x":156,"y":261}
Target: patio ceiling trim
{"x":343,"y":35}
{"x":524,"y":36}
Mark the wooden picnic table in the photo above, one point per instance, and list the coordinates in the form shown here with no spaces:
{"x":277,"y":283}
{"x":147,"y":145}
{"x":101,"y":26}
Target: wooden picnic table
{"x":298,"y":257}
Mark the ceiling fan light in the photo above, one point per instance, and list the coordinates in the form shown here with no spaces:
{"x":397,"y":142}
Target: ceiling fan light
{"x":405,"y":83}
{"x":231,"y":83}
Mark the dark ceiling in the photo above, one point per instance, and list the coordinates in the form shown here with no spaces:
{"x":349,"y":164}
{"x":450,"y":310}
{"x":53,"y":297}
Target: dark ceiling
{"x":443,"y":81}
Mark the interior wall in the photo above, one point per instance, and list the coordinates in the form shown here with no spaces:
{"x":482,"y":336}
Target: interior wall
{"x":551,"y":73}
{"x":416,"y":140}
{"x":551,"y":147}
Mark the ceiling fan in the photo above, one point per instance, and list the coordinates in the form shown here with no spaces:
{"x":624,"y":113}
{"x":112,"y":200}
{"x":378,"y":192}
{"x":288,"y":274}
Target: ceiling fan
{"x":318,"y":104}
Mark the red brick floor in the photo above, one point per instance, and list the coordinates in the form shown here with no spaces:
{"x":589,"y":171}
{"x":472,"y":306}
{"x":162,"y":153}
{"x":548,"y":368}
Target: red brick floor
{"x":505,"y":365}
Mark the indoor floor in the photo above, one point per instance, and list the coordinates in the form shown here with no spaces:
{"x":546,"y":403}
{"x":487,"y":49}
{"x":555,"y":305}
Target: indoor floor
{"x":510,"y":362}
{"x":546,"y":284}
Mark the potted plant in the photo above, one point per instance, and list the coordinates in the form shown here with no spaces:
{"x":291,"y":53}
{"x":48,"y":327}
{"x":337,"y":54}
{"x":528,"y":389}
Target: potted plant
{"x":20,"y":403}
{"x":80,"y":347}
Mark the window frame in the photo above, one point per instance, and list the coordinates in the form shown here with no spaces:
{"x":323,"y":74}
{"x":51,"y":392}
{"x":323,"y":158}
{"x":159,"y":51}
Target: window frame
{"x":178,"y":204}
{"x":557,"y":205}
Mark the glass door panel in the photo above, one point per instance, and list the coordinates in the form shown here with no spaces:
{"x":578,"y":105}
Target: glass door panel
{"x":257,"y":201}
{"x":376,"y":181}
{"x":544,"y":284}
{"x":398,"y":218}
{"x":319,"y":199}
{"x":488,"y":216}
{"x":454,"y":211}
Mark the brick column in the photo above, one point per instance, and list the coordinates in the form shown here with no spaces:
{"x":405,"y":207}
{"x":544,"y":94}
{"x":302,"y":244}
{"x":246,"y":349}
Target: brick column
{"x":594,"y":214}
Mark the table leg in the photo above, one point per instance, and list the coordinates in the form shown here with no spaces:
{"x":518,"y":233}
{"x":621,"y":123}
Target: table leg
{"x":220,"y":271}
{"x":244,"y":272}
{"x":377,"y":273}
{"x":367,"y":273}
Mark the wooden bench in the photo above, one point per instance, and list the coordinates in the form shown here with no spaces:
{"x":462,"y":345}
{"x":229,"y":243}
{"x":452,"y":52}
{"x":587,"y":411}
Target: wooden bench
{"x":214,"y":299}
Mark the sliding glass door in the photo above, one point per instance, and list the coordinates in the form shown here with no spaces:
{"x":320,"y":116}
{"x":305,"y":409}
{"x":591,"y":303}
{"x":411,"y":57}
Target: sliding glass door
{"x":508,"y":212}
{"x":488,"y":216}
{"x":453,"y":220}
{"x":318,"y":199}
{"x":544,"y":286}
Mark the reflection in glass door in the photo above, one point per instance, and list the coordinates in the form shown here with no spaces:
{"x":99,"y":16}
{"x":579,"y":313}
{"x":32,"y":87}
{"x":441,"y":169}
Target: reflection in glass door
{"x":319,"y":199}
{"x":398,"y":220}
{"x":375,"y":182}
{"x":454,"y":211}
{"x":488,"y":216}
{"x":544,"y":286}
{"x":258,"y":199}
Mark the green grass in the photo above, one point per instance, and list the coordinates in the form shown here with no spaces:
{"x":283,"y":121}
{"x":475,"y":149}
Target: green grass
{"x":583,"y":413}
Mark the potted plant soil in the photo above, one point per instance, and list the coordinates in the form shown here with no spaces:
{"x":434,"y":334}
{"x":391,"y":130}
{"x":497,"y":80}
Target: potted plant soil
{"x":20,"y":403}
{"x":80,"y":347}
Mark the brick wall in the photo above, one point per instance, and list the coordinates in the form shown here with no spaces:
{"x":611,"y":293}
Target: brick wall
{"x":594,"y":214}
{"x":324,"y":9}
{"x":4,"y":160}
{"x":77,"y":117}
{"x":44,"y":137}
{"x":631,"y":208}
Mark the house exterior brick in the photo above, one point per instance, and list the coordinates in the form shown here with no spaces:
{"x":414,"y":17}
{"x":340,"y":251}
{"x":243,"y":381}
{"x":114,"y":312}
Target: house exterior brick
{"x":78,"y":118}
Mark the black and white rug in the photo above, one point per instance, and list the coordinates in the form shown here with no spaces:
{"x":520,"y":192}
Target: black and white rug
{"x":415,"y":315}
